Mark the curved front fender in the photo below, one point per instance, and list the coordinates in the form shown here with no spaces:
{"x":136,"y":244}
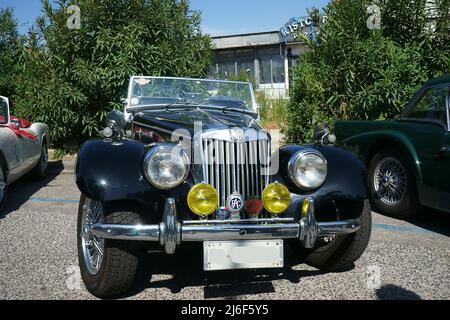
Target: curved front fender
{"x":363,"y":144}
{"x":346,"y":178}
{"x":108,"y":171}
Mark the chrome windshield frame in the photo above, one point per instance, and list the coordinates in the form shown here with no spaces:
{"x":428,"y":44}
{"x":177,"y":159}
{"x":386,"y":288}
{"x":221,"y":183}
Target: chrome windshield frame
{"x":254,"y":107}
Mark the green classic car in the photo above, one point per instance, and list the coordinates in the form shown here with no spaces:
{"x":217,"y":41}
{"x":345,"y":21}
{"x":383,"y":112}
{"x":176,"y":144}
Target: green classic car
{"x":408,"y":158}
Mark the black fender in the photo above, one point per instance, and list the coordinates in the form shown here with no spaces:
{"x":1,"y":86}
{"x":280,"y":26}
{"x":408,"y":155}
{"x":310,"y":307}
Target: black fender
{"x":111,"y":170}
{"x":346,"y":178}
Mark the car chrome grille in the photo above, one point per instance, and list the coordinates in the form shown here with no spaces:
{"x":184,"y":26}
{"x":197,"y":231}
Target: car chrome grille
{"x":236,"y":167}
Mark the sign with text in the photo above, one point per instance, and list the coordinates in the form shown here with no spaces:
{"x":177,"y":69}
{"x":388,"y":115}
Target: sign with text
{"x":294,"y":26}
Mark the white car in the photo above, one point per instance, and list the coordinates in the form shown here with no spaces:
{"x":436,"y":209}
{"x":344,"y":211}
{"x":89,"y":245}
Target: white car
{"x":23,"y":148}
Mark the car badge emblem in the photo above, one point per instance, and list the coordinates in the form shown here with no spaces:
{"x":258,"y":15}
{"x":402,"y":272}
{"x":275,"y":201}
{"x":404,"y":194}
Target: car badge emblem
{"x":223,"y":214}
{"x":237,"y":134}
{"x":235,"y":204}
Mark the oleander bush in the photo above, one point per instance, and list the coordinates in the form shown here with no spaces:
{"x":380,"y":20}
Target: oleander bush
{"x":356,"y":73}
{"x":9,"y":48}
{"x":71,"y":78}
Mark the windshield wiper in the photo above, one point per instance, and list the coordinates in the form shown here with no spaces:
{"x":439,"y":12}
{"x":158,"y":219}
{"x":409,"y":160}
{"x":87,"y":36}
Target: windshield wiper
{"x":188,"y":105}
{"x":166,"y":106}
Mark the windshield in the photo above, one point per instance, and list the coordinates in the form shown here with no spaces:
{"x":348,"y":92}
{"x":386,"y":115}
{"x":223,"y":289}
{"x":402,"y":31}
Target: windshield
{"x":148,"y":91}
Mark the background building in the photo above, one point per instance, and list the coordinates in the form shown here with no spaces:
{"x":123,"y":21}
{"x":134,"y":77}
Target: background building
{"x":266,"y":57}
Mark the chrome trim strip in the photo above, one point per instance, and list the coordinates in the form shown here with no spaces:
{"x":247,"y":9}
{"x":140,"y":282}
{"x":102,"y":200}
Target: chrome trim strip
{"x":126,"y":232}
{"x":252,"y":221}
{"x":240,"y":232}
{"x":339,"y":227}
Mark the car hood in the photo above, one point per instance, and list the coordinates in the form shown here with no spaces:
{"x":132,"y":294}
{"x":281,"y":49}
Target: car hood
{"x":165,"y":122}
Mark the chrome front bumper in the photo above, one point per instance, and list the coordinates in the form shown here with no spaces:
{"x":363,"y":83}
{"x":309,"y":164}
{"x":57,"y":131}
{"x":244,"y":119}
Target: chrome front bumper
{"x":170,"y":233}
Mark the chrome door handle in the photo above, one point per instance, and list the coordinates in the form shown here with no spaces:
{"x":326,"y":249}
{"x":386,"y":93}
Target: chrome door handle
{"x":445,"y":149}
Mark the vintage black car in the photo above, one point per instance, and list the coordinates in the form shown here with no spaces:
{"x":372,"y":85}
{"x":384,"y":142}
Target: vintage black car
{"x":189,"y":162}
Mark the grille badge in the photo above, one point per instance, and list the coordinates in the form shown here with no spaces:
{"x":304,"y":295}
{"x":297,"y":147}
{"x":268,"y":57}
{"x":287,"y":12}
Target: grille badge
{"x":237,"y":134}
{"x":235,"y":203}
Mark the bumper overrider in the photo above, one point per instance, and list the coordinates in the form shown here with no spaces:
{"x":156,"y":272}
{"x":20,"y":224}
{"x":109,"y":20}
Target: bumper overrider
{"x":170,"y":232}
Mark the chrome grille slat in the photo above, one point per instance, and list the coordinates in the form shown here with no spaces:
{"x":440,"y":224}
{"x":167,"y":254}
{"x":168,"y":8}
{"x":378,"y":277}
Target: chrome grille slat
{"x":247,"y":173}
{"x":235,"y":166}
{"x":242,"y":168}
{"x":206,"y":156}
{"x":222,"y":172}
{"x":228,"y":167}
{"x":217,"y":168}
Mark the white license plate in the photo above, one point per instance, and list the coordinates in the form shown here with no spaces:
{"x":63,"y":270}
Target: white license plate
{"x":252,"y":254}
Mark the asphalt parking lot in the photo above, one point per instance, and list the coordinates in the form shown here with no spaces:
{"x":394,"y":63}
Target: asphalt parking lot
{"x":38,"y":259}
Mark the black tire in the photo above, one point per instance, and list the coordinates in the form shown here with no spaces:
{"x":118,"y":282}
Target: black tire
{"x":4,"y":192}
{"x":120,"y":259}
{"x":343,"y":251}
{"x":41,"y":169}
{"x":409,"y":205}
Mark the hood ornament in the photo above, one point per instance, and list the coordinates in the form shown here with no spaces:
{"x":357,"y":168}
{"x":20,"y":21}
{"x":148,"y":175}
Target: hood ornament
{"x":237,"y":134}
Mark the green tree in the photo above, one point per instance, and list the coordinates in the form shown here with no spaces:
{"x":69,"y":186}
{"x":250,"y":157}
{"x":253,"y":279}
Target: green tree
{"x":353,"y":72}
{"x":9,"y":48}
{"x":71,"y":78}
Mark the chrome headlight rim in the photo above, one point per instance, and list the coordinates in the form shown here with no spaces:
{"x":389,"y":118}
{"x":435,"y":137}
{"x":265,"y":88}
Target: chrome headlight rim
{"x":296,"y":157}
{"x":154,"y":151}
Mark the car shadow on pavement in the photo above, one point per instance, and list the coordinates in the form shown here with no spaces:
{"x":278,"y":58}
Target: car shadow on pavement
{"x":158,"y":270}
{"x":23,"y":189}
{"x":433,"y":220}
{"x":393,"y":292}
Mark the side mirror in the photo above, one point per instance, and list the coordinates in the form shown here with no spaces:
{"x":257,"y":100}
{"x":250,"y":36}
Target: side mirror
{"x":117,"y":117}
{"x":323,"y":135}
{"x":115,"y":125}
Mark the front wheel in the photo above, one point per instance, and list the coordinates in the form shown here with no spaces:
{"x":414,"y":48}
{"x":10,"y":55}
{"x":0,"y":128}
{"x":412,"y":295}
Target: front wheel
{"x":108,"y":267}
{"x":343,"y":250}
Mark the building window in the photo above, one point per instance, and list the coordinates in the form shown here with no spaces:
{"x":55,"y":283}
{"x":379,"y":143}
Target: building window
{"x":265,"y":70}
{"x":271,"y":66}
{"x":278,"y":74}
{"x":245,"y":61}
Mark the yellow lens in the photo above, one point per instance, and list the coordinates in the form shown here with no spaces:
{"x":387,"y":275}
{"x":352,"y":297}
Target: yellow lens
{"x":203,"y":199}
{"x":276,"y":198}
{"x":305,"y":207}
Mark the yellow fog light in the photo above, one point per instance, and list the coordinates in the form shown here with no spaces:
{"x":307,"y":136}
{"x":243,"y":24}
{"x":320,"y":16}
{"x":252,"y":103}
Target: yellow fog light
{"x":203,"y":199}
{"x":276,"y":198}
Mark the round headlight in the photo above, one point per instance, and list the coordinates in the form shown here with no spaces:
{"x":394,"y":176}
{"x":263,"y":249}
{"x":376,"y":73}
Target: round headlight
{"x":166,"y":167}
{"x":308,"y":169}
{"x":276,"y":198}
{"x":203,"y":199}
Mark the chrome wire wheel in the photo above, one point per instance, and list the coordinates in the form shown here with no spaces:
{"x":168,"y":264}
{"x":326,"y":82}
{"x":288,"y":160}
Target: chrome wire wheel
{"x":390,"y":181}
{"x":93,"y":247}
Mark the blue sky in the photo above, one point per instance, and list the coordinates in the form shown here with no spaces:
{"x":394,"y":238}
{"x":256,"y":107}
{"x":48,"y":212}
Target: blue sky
{"x":219,"y":17}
